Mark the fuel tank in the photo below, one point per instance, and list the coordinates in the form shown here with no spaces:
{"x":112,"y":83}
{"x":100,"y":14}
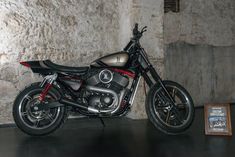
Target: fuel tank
{"x":118,"y":59}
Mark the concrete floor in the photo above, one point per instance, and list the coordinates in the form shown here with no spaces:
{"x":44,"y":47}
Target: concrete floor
{"x":120,"y":138}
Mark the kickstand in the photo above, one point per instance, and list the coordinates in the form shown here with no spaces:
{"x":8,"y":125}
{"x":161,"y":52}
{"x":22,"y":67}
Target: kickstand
{"x":102,"y":121}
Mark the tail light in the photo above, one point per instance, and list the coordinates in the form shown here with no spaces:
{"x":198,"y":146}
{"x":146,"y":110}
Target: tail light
{"x":25,"y":64}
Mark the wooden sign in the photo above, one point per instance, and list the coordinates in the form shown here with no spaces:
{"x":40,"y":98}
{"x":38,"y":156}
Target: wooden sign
{"x":217,"y":119}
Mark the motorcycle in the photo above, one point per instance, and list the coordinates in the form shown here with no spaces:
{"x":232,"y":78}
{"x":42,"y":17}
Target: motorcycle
{"x":106,"y":88}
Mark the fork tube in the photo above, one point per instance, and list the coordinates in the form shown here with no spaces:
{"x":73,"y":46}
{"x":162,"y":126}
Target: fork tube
{"x":159,"y":80}
{"x":147,"y":79}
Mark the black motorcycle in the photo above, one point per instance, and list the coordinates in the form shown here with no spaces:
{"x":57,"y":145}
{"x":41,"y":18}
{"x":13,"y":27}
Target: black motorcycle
{"x":106,"y":88}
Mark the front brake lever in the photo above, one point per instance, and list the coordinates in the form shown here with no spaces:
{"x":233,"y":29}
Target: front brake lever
{"x":144,"y":29}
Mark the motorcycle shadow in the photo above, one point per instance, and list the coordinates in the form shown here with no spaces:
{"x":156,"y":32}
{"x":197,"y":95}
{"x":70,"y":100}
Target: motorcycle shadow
{"x":132,"y":139}
{"x":39,"y":146}
{"x":100,"y":143}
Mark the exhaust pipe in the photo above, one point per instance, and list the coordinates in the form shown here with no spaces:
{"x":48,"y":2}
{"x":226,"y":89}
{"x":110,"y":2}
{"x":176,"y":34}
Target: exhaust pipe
{"x":115,"y":105}
{"x":72,"y":103}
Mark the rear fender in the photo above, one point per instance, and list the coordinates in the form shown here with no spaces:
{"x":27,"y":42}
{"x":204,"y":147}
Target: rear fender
{"x":37,"y":67}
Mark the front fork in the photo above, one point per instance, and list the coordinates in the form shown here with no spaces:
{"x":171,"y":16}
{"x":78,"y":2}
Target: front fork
{"x":157,"y":79}
{"x":46,"y":84}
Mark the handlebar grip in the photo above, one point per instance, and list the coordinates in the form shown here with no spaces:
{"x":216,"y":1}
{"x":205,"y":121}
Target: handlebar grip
{"x":135,"y":30}
{"x":136,"y":26}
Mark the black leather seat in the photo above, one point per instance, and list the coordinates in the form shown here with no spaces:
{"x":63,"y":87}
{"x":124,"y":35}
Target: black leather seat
{"x":65,"y":68}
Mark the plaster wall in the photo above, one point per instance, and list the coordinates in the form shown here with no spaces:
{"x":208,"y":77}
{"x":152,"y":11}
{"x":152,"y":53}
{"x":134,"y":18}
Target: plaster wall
{"x":199,"y":49}
{"x":206,"y":71}
{"x":209,"y":22}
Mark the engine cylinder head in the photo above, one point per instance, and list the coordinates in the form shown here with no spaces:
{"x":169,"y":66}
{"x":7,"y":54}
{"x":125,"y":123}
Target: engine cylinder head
{"x":106,"y":76}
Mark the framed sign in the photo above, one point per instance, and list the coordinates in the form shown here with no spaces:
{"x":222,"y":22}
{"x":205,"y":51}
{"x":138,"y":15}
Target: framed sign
{"x":217,"y":119}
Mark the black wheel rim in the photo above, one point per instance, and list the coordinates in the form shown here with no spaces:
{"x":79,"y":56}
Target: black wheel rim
{"x":172,"y":116}
{"x":37,"y":119}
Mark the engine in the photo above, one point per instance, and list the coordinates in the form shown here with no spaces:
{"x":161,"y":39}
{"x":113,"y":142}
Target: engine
{"x":107,"y":86}
{"x":108,"y":79}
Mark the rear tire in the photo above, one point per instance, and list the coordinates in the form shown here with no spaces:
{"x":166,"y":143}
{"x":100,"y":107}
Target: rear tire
{"x":37,"y":123}
{"x":159,"y":110}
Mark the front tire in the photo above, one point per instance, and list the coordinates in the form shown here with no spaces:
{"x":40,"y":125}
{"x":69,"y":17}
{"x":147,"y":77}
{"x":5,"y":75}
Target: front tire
{"x":160,"y":111}
{"x":41,"y":122}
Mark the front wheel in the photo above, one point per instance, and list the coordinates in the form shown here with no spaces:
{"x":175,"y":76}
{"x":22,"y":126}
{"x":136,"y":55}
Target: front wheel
{"x":168,"y":117}
{"x":37,"y":123}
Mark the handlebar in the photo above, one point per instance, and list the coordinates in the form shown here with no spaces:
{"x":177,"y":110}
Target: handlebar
{"x":138,"y":34}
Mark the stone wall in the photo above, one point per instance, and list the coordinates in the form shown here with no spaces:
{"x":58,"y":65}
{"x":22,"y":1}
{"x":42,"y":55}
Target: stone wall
{"x":70,"y":32}
{"x":199,"y":49}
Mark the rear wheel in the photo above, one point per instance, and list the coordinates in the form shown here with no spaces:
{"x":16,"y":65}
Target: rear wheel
{"x":167,"y":117}
{"x":37,"y":123}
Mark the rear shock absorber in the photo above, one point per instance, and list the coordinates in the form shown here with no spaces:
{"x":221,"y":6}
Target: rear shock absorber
{"x":48,"y":80}
{"x":44,"y":92}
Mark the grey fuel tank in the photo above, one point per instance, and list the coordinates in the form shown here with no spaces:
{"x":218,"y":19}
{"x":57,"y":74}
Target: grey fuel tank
{"x":118,"y":59}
